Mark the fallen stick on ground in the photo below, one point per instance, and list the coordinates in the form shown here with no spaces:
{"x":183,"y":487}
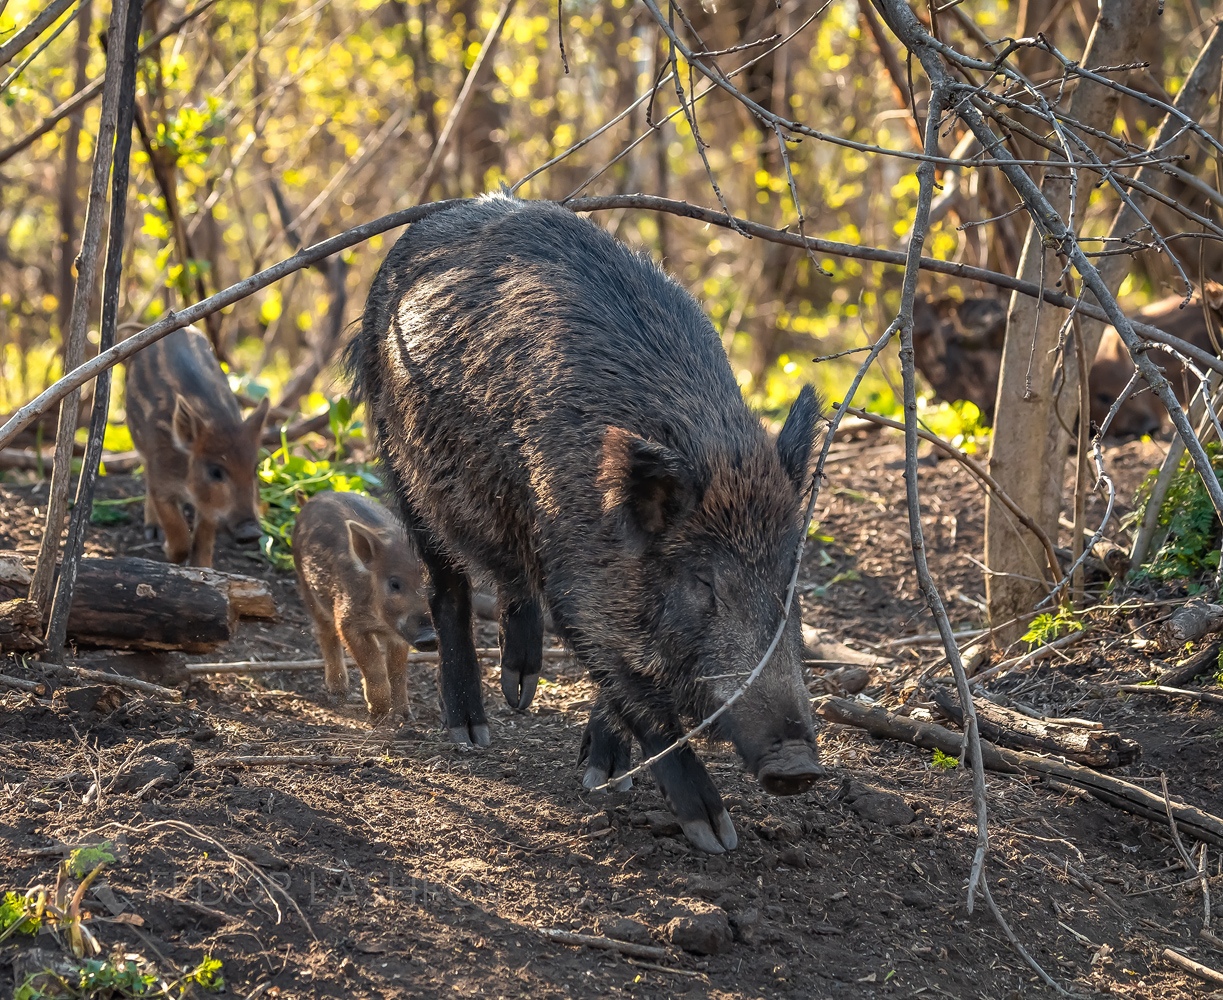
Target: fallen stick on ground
{"x":22,"y":685}
{"x":1121,"y":794}
{"x":314,"y":758}
{"x":1091,"y":747}
{"x":605,"y":943}
{"x":1039,"y":653}
{"x":1204,"y":972}
{"x":1172,"y":692}
{"x":156,"y":690}
{"x":267,"y":666}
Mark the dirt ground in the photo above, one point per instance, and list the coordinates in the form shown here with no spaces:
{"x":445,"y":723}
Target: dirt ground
{"x":408,"y":867}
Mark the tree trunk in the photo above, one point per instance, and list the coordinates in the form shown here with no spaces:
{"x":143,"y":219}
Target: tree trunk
{"x":1029,"y":444}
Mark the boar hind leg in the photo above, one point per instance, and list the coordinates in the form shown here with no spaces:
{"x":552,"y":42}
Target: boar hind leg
{"x":606,"y":752}
{"x":169,"y":515}
{"x":372,"y":663}
{"x":691,"y":794}
{"x":522,"y":649}
{"x":462,"y":702}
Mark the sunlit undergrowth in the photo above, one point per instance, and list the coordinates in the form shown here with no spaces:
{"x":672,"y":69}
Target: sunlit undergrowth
{"x":1186,"y":545}
{"x":288,"y":478}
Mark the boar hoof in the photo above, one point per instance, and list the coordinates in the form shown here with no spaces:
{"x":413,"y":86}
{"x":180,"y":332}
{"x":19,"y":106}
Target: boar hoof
{"x":596,"y":777}
{"x":152,"y":532}
{"x":475,"y":735}
{"x":518,"y":688}
{"x":792,"y":769}
{"x":716,"y":839}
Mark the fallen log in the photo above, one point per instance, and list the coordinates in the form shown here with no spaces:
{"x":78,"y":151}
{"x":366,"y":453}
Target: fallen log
{"x":1194,"y":620}
{"x":29,"y":460}
{"x":20,"y":627}
{"x":1090,"y":747}
{"x":133,"y":603}
{"x":1204,"y":661}
{"x":1123,"y":795}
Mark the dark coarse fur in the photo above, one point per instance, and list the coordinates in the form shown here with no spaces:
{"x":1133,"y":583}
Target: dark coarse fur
{"x":554,"y":411}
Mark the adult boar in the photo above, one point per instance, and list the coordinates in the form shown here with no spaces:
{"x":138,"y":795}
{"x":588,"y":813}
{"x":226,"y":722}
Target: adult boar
{"x":199,"y":453}
{"x":555,"y":413}
{"x":1143,"y":413}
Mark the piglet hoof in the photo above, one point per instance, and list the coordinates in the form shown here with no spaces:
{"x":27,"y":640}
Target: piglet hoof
{"x":716,"y":839}
{"x":518,"y":688}
{"x":474,"y":735}
{"x":597,"y":777}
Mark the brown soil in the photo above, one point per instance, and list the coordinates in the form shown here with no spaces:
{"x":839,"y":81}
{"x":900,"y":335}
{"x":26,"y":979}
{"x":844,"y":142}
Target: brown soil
{"x":415,"y":868}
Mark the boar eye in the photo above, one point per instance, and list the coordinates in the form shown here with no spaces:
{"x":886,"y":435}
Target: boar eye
{"x":394,"y":585}
{"x":216,"y":473}
{"x":705,"y":590}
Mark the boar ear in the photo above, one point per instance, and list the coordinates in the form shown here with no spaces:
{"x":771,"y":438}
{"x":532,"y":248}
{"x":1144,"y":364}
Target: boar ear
{"x":185,"y":426}
{"x":258,"y":416}
{"x":363,"y":544}
{"x":646,"y":481}
{"x":797,"y":437}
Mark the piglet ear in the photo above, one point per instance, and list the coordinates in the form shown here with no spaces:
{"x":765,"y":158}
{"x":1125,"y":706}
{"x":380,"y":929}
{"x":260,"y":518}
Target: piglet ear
{"x":363,"y":545}
{"x":797,"y":437}
{"x":645,"y":481}
{"x":255,"y":421}
{"x":186,"y":426}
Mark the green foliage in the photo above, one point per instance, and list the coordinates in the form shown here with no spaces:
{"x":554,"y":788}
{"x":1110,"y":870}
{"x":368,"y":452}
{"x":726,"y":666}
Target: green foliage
{"x":108,"y":512}
{"x":1049,"y":626}
{"x":287,"y":481}
{"x":1187,"y":522}
{"x":943,"y":761}
{"x":120,"y":976}
{"x":17,"y":916}
{"x":958,"y":422}
{"x":84,"y":860}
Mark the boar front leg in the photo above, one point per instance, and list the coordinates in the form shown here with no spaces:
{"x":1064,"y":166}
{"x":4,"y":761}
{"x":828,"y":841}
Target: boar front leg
{"x":397,"y":674}
{"x":688,"y":789}
{"x":372,"y":663}
{"x":169,"y":515}
{"x":522,"y":655}
{"x":203,"y":539}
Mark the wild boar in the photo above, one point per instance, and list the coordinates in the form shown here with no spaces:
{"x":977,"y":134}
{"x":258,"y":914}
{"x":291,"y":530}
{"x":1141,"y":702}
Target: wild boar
{"x":1143,"y":413}
{"x":199,"y":453}
{"x":555,"y":413}
{"x":361,"y":580}
{"x":957,"y":346}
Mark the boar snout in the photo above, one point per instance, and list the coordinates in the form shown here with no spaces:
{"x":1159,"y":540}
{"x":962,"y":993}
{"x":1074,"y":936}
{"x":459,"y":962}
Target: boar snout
{"x":247,"y":530}
{"x":416,"y":629}
{"x":789,"y":768}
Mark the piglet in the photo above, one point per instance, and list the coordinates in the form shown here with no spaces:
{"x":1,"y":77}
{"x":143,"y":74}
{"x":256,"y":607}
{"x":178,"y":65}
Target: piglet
{"x":199,"y":453}
{"x":361,"y":580}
